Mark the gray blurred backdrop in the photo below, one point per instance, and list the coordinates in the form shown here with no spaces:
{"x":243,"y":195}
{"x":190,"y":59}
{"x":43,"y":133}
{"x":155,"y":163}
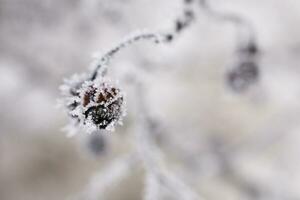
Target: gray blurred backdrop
{"x":233,"y":146}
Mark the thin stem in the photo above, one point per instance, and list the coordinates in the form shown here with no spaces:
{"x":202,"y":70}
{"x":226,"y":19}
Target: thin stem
{"x":153,"y":157}
{"x":105,"y":59}
{"x":237,"y":20}
{"x":180,"y":24}
{"x":112,"y":174}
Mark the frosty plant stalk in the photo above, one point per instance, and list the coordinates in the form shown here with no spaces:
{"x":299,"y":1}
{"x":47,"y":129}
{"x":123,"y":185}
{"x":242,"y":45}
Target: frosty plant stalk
{"x":244,"y":72}
{"x":96,"y":102}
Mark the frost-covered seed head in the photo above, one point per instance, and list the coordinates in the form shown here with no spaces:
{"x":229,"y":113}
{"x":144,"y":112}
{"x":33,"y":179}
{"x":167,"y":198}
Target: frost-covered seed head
{"x":93,"y":105}
{"x":103,"y":106}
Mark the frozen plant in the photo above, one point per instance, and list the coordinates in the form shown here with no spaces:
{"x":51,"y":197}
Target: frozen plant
{"x":94,"y":102}
{"x":244,"y":71}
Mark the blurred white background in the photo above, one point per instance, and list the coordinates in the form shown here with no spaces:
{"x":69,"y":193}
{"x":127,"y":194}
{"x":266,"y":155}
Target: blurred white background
{"x":225,"y":145}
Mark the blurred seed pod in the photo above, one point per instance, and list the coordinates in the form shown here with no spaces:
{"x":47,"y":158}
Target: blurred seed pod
{"x":243,"y":75}
{"x":96,"y":143}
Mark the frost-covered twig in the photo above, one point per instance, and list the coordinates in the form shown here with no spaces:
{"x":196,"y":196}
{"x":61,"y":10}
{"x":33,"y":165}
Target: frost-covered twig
{"x":152,"y":158}
{"x":95,"y":102}
{"x":230,"y":173}
{"x":108,"y":177}
{"x":180,"y":24}
{"x":244,"y":72}
{"x":101,"y":62}
{"x":152,"y":187}
{"x":244,"y":27}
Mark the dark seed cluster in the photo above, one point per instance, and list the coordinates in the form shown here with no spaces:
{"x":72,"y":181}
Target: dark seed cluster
{"x":95,"y":105}
{"x":103,"y":105}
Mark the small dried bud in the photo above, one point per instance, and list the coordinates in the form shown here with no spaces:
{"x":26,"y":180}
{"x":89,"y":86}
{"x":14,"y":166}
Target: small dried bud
{"x":94,"y":105}
{"x":241,"y":77}
{"x":103,"y":103}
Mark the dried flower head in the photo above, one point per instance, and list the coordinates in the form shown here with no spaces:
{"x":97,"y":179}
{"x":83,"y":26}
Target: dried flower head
{"x":94,"y":105}
{"x":242,"y":76}
{"x":102,"y":103}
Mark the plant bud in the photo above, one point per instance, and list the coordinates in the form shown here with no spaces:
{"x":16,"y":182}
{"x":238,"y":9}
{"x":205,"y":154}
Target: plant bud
{"x":94,"y":105}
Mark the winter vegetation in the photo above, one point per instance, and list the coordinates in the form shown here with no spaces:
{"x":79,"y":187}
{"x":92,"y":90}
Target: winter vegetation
{"x":183,"y":100}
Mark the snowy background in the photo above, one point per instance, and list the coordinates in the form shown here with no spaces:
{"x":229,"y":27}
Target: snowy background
{"x":224,"y":145}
